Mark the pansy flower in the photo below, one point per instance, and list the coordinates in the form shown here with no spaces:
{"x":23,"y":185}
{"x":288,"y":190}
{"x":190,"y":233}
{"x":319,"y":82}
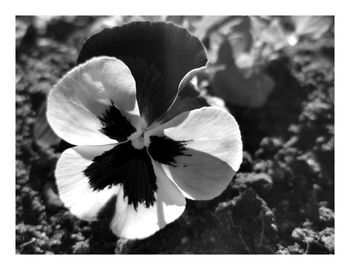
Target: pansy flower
{"x":138,"y":152}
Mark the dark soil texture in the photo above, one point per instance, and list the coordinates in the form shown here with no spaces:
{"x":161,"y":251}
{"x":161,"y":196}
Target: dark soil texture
{"x":281,"y":201}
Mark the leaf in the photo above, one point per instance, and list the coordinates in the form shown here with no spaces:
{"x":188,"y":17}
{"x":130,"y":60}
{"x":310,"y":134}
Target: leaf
{"x":235,"y":89}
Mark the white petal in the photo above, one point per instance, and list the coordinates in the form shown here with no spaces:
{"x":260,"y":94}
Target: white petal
{"x":213,"y":151}
{"x":73,"y":186}
{"x":84,"y":94}
{"x":144,"y":222}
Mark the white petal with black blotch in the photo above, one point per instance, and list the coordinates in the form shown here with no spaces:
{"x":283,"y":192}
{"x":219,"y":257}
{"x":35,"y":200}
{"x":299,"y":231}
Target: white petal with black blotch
{"x":213,"y":151}
{"x":84,"y":94}
{"x":73,"y":186}
{"x":143,"y":222}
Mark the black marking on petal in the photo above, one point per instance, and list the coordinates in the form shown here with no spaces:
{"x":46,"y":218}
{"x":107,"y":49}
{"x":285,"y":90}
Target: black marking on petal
{"x":164,"y":149}
{"x":164,"y":49}
{"x":125,"y":165}
{"x":115,"y":125}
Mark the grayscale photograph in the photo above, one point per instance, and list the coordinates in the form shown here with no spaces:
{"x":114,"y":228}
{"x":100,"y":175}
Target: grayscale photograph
{"x":174,"y":134}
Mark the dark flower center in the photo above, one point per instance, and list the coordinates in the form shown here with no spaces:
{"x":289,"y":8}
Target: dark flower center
{"x":129,"y":165}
